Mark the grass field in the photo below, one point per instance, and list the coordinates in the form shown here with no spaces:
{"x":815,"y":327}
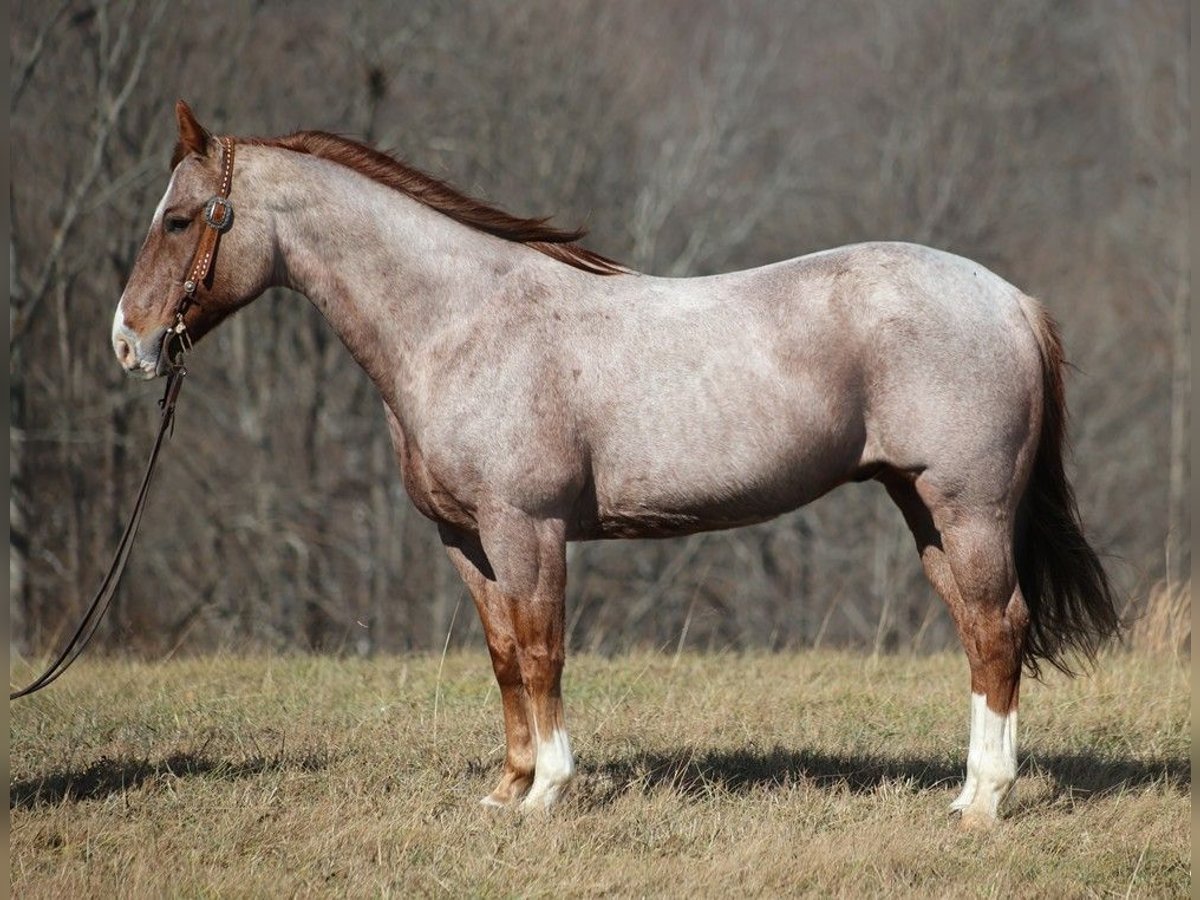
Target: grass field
{"x":819,"y":773}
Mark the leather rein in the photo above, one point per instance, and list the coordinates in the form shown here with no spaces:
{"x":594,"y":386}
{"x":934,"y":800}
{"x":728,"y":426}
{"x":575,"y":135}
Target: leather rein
{"x":218,"y":217}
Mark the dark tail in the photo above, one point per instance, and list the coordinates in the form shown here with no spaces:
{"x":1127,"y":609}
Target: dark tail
{"x":1072,"y":609}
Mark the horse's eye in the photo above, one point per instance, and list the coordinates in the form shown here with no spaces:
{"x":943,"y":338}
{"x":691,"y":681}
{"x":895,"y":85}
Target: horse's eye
{"x":176,"y":224}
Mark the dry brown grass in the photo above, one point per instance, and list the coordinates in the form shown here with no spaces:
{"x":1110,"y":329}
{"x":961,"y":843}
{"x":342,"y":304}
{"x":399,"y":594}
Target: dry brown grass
{"x":822,"y":773}
{"x":1164,"y":624}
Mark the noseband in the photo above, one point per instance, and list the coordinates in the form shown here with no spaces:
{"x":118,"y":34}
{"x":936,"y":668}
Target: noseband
{"x":218,"y":218}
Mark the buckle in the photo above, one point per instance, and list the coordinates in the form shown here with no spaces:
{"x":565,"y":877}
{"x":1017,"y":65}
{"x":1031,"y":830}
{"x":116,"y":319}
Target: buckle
{"x":210,"y":210}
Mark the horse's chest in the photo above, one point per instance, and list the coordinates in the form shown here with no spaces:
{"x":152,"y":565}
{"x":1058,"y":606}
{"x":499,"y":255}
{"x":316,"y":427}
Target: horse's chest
{"x":427,"y":487}
{"x":432,"y":495}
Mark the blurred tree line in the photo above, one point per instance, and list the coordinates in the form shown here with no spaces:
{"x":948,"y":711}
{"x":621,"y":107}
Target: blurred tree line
{"x":1047,"y":140}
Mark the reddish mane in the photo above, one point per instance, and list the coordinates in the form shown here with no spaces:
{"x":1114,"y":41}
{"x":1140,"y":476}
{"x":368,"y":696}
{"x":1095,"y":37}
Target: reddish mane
{"x":554,"y":242}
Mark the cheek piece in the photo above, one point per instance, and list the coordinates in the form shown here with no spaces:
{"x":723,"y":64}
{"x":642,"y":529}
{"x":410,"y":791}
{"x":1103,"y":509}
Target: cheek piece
{"x":218,"y":218}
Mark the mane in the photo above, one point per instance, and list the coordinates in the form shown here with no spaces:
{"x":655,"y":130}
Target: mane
{"x":556,"y":243}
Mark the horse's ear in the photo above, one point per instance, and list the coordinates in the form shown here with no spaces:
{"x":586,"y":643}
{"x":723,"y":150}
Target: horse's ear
{"x":193,"y":138}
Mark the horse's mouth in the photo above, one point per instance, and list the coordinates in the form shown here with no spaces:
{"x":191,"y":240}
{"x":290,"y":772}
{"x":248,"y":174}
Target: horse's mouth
{"x":146,"y":371}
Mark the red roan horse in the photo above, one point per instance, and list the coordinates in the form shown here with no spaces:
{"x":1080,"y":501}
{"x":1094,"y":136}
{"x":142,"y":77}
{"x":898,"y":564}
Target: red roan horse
{"x":538,"y":393}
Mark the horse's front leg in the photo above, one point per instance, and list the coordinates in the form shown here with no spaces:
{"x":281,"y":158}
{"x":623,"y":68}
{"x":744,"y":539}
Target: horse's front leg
{"x":467,"y":555}
{"x":539,"y":615}
{"x":517,"y":573}
{"x":528,"y":559}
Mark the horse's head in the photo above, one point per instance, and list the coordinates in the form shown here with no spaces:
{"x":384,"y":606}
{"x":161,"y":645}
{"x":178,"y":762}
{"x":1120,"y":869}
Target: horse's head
{"x":185,"y":222}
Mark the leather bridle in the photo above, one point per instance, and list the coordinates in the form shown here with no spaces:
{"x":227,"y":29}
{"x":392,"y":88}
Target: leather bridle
{"x":218,"y":217}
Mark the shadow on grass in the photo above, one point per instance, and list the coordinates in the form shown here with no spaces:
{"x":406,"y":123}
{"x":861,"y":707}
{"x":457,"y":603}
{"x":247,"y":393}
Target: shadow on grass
{"x":114,"y":776}
{"x":701,"y":774}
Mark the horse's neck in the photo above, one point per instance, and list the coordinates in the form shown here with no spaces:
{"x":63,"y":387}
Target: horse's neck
{"x":384,"y":270}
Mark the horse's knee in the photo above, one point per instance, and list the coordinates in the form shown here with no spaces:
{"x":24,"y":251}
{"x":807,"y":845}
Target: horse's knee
{"x":505,"y":661}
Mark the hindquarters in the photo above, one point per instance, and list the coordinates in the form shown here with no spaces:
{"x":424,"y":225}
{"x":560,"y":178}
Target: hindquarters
{"x":970,"y":411}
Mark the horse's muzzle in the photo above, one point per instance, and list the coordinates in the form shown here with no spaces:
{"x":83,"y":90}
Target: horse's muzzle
{"x":139,"y":359}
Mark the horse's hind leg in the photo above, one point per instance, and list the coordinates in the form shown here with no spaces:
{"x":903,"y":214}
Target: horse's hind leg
{"x":467,"y":555}
{"x":967,"y":552}
{"x":992,"y":622}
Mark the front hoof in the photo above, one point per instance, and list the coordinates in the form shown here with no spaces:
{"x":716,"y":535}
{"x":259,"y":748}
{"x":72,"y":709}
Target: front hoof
{"x":508,"y":792}
{"x":543,"y":797}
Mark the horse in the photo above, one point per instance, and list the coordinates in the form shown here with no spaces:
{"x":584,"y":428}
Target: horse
{"x":537,"y":393}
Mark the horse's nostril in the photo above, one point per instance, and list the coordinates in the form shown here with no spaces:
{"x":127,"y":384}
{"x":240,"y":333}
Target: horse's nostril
{"x":125,"y":352}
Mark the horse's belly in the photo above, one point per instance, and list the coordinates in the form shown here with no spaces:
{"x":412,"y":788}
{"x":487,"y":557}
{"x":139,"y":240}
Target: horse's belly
{"x":716,"y":484}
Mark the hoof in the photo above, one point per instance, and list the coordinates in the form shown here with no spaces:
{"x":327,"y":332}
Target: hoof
{"x":543,"y":797}
{"x":508,"y":793}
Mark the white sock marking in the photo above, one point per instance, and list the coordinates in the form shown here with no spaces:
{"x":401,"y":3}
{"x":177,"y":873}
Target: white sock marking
{"x":552,"y":771}
{"x":991,"y":759}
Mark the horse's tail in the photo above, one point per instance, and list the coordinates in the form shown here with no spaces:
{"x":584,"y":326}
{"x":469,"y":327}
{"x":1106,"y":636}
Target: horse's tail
{"x":1072,"y":608}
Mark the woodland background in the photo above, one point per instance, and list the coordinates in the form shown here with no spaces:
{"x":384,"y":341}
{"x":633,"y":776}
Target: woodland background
{"x":1047,"y":140}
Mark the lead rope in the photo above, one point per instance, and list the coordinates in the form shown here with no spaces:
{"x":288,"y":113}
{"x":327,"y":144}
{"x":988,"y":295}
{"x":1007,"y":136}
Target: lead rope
{"x":108,"y":588}
{"x":175,"y":343}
